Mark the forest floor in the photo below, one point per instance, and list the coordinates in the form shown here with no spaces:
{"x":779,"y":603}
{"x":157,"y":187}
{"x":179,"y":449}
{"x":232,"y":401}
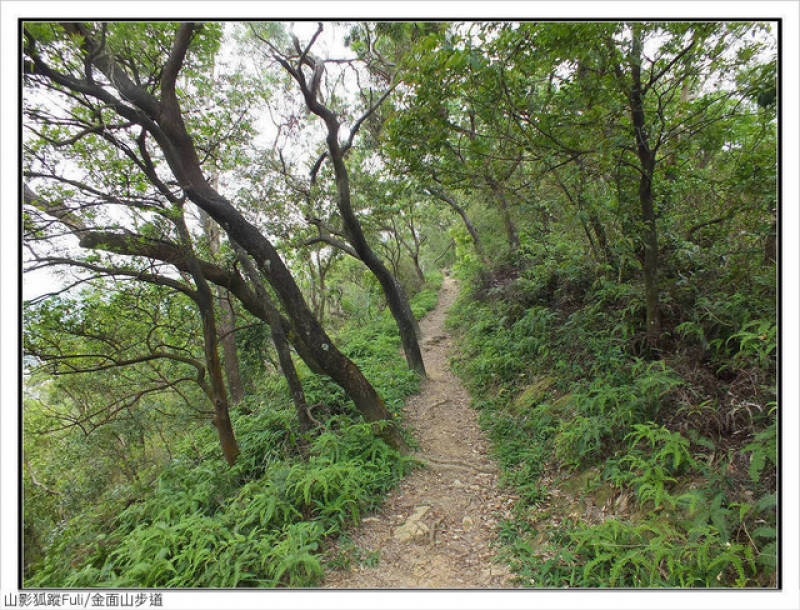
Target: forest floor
{"x":437,"y":528}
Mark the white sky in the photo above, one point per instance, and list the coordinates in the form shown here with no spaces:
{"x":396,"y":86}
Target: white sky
{"x":789,"y":598}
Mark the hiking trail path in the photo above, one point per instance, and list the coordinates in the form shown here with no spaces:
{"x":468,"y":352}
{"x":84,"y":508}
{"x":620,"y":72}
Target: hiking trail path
{"x":436,"y":528}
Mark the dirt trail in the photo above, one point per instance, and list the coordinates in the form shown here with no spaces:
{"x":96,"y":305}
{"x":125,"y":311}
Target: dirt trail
{"x":436,"y":528}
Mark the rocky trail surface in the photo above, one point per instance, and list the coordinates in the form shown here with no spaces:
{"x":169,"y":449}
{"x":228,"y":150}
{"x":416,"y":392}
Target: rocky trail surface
{"x":437,"y":527}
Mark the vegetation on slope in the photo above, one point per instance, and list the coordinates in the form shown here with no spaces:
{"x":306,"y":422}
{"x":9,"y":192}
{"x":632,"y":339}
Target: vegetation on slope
{"x":193,"y":522}
{"x":634,"y":470}
{"x":611,"y":209}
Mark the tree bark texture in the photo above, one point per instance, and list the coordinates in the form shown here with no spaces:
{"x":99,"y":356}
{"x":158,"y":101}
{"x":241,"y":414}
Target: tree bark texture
{"x":218,"y":394}
{"x":227,"y":324}
{"x":395,"y":295}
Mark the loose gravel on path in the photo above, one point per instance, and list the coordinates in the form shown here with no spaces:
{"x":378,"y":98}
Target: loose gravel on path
{"x":437,"y":528}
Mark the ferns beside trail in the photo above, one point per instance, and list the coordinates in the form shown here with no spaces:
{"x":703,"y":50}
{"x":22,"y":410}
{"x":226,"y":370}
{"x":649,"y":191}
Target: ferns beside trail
{"x":632,"y":471}
{"x":262,"y":523}
{"x":200,"y":528}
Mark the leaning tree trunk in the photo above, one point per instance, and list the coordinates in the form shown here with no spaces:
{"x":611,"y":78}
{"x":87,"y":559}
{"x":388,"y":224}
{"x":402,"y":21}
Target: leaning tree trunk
{"x":473,"y":233}
{"x":227,"y":323}
{"x":396,"y":297}
{"x":413,"y":250}
{"x":322,"y":350}
{"x":393,"y":290}
{"x":219,"y":398}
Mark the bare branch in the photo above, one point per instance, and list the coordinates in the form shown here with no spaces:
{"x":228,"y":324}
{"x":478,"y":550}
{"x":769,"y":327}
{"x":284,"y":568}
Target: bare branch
{"x":114,"y":362}
{"x":331,"y":241}
{"x":357,"y":125}
{"x":150,"y":278}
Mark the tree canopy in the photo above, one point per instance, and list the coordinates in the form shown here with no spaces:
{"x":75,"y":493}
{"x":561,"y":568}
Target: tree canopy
{"x":243,"y":225}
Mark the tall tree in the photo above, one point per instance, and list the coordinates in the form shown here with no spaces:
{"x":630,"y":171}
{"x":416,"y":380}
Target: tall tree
{"x":111,"y":353}
{"x":619,"y":107}
{"x":278,"y":332}
{"x":204,"y":299}
{"x":96,"y":67}
{"x":446,"y":130}
{"x":686,"y":57}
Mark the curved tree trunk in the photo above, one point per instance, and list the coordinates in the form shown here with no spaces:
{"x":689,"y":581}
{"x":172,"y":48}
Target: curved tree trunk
{"x":473,"y":233}
{"x":395,"y":295}
{"x":322,"y":350}
{"x":217,"y":392}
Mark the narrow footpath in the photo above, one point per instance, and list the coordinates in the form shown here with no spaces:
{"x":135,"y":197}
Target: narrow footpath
{"x":437,"y":527}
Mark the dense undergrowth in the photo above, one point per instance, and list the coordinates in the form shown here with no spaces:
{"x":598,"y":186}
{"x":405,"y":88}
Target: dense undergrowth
{"x":634,"y":468}
{"x":266,"y":521}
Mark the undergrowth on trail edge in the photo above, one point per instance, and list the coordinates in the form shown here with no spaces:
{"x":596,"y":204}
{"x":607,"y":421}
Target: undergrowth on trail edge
{"x":633,"y":469}
{"x":263,"y":523}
